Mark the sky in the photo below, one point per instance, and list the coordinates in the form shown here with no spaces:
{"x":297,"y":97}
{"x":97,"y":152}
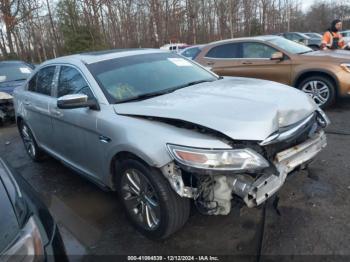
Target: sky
{"x":307,"y":3}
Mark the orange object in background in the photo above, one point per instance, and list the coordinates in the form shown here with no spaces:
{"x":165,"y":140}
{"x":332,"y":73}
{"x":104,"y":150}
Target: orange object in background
{"x":332,"y":40}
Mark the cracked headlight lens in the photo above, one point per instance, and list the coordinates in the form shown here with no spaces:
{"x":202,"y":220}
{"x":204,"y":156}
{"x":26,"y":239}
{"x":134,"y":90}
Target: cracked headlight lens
{"x":218,"y":159}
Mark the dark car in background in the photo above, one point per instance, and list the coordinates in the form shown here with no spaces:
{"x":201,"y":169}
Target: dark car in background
{"x":27,"y":230}
{"x":12,"y":75}
{"x":309,"y":40}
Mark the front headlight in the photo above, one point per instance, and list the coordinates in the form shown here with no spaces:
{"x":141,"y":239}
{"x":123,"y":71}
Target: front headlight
{"x":29,"y":244}
{"x":346,"y":67}
{"x":217,"y":159}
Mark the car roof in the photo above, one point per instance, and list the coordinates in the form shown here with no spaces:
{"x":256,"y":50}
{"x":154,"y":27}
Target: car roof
{"x":193,"y":46}
{"x":262,"y":38}
{"x":97,"y":56}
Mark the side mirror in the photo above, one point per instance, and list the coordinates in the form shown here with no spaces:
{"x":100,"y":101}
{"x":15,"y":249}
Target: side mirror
{"x":277,"y":56}
{"x":76,"y":101}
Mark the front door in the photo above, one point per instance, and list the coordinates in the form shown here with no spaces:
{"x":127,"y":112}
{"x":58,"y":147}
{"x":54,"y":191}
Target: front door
{"x":256,"y":63}
{"x":74,"y":130}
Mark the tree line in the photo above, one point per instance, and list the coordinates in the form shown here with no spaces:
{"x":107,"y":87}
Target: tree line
{"x":36,"y":30}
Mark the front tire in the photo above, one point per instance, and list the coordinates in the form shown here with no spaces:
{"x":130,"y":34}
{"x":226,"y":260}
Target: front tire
{"x":30,"y":144}
{"x":152,"y":206}
{"x":320,"y":88}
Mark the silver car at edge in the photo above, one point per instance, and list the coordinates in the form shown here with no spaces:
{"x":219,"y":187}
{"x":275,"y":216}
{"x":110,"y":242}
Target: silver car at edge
{"x":163,"y":131}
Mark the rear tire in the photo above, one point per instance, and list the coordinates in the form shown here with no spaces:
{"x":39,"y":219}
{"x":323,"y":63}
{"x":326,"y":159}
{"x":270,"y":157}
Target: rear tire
{"x":320,"y":88}
{"x":30,"y":144}
{"x":143,"y":188}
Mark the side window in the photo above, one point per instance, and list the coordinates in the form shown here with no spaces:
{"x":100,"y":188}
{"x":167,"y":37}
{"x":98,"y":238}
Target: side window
{"x":289,"y":36}
{"x":192,"y":52}
{"x":32,"y":83}
{"x":296,"y":37}
{"x":72,"y":82}
{"x":257,"y":50}
{"x":231,"y":50}
{"x":41,"y":82}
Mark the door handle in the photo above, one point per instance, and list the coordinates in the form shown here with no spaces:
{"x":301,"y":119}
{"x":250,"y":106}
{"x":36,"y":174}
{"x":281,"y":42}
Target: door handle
{"x":104,"y":139}
{"x":210,"y":63}
{"x":56,"y":113}
{"x":26,"y":102}
{"x":247,"y":63}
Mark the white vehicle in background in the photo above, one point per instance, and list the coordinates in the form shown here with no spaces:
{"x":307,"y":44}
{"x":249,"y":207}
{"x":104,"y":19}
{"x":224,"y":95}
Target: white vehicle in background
{"x":346,"y":36}
{"x":174,"y":47}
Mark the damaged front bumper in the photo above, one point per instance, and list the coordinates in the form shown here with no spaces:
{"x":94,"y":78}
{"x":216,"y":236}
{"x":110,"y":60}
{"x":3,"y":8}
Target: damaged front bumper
{"x":257,"y":192}
{"x":7,"y":111}
{"x":253,"y":191}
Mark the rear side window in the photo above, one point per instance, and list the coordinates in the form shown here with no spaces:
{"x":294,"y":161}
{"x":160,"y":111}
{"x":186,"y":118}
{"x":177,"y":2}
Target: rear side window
{"x":191,"y":52}
{"x":32,"y":83}
{"x":257,"y":50}
{"x":72,"y":82}
{"x":232,"y":50}
{"x":41,"y":82}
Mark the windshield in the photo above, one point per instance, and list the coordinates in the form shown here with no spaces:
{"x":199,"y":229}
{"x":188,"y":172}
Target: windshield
{"x":290,"y":46}
{"x":127,"y":78}
{"x":14,"y":72}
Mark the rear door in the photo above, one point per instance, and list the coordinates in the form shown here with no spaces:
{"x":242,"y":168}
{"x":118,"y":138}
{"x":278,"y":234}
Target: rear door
{"x":223,"y":59}
{"x":256,"y":63}
{"x":74,"y":130}
{"x":35,"y":101}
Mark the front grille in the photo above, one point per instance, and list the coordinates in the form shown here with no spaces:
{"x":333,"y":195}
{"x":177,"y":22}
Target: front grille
{"x":303,"y":134}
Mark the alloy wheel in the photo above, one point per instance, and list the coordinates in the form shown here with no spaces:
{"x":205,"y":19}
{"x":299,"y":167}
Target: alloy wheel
{"x":28,"y":141}
{"x":140,"y":199}
{"x":318,"y":91}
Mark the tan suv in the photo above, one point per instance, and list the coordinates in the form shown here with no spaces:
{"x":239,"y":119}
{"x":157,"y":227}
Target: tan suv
{"x":324,"y":75}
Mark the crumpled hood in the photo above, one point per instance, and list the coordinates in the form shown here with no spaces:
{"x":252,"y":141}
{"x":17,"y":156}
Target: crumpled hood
{"x":241,"y":108}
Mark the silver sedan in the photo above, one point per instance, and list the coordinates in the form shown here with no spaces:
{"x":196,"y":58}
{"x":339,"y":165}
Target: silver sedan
{"x":163,"y":131}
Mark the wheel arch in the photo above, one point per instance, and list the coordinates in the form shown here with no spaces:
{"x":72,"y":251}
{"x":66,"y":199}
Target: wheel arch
{"x":305,"y":74}
{"x":125,"y":154}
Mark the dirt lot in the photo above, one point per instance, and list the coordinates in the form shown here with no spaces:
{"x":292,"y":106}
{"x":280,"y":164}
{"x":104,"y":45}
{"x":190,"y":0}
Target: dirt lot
{"x":314,"y":210}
